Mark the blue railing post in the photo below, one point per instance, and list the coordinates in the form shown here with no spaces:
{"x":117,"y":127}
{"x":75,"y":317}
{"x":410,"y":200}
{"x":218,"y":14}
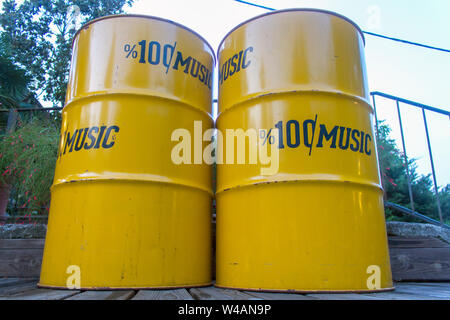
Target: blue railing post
{"x":405,"y":157}
{"x":436,"y":190}
{"x":377,"y":133}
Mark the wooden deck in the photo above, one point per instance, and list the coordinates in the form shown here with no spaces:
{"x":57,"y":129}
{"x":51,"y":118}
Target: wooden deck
{"x":25,"y":289}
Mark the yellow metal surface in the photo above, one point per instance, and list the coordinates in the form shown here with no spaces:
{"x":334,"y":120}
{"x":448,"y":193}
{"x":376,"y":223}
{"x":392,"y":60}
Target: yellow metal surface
{"x":121,"y":211}
{"x":318,"y":223}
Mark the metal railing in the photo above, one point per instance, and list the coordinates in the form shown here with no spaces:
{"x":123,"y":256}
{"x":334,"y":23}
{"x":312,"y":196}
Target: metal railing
{"x":414,"y":214}
{"x":424,"y":108}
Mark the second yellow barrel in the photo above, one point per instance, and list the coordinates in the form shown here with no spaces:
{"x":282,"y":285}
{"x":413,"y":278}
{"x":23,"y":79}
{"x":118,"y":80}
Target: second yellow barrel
{"x":124,"y":213}
{"x":295,"y":81}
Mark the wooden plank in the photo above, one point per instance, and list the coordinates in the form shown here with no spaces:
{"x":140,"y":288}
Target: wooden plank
{"x":21,"y":262}
{"x":6,"y":282}
{"x":41,"y":294}
{"x":397,"y":296}
{"x":423,"y":290}
{"x":420,"y":264}
{"x":341,"y":296}
{"x":103,"y":295}
{"x":10,"y":290}
{"x":209,"y":293}
{"x":416,"y":242}
{"x":21,"y":243}
{"x":177,"y":294}
{"x":423,"y":286}
{"x":279,"y":296}
{"x":212,"y":293}
{"x":436,"y":295}
{"x":443,"y":285}
{"x":238,"y":295}
{"x":404,"y":291}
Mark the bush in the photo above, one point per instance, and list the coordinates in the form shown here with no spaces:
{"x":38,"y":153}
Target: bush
{"x":27,"y":161}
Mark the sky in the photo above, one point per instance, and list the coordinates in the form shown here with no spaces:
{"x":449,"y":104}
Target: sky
{"x":398,"y":69}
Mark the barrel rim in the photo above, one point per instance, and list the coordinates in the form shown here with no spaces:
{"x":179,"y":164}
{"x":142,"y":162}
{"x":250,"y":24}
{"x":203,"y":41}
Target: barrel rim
{"x":292,"y":10}
{"x":111,"y":16}
{"x":312,"y":291}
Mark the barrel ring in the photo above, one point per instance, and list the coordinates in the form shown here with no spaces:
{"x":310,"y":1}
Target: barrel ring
{"x":310,"y":180}
{"x":252,"y":98}
{"x":100,"y":94}
{"x":292,"y":10}
{"x":207,"y":284}
{"x":145,"y":17}
{"x":308,"y":291}
{"x":62,"y":182}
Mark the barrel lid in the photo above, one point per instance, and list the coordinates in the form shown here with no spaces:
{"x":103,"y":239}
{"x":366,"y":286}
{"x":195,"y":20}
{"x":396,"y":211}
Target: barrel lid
{"x":292,"y":10}
{"x":146,"y":17}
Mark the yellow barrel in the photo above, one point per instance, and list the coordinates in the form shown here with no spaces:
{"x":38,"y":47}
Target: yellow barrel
{"x":123,"y":214}
{"x":314,"y":220}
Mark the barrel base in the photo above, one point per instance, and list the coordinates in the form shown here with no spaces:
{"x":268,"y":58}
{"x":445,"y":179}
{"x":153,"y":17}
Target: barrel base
{"x":127,"y":234}
{"x":307,"y":291}
{"x":43,"y":286}
{"x":332,"y":240}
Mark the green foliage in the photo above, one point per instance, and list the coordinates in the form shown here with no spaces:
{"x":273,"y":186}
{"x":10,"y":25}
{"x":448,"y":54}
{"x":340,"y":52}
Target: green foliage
{"x":14,"y":89}
{"x":28,"y":158}
{"x":13,"y":84}
{"x":444,"y":198}
{"x":395,"y":182}
{"x":37,"y":35}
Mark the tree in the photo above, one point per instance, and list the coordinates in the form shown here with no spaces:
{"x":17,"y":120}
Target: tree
{"x":395,"y":183}
{"x":13,"y":84}
{"x":14,"y":89}
{"x":37,"y":36}
{"x":444,"y":197}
